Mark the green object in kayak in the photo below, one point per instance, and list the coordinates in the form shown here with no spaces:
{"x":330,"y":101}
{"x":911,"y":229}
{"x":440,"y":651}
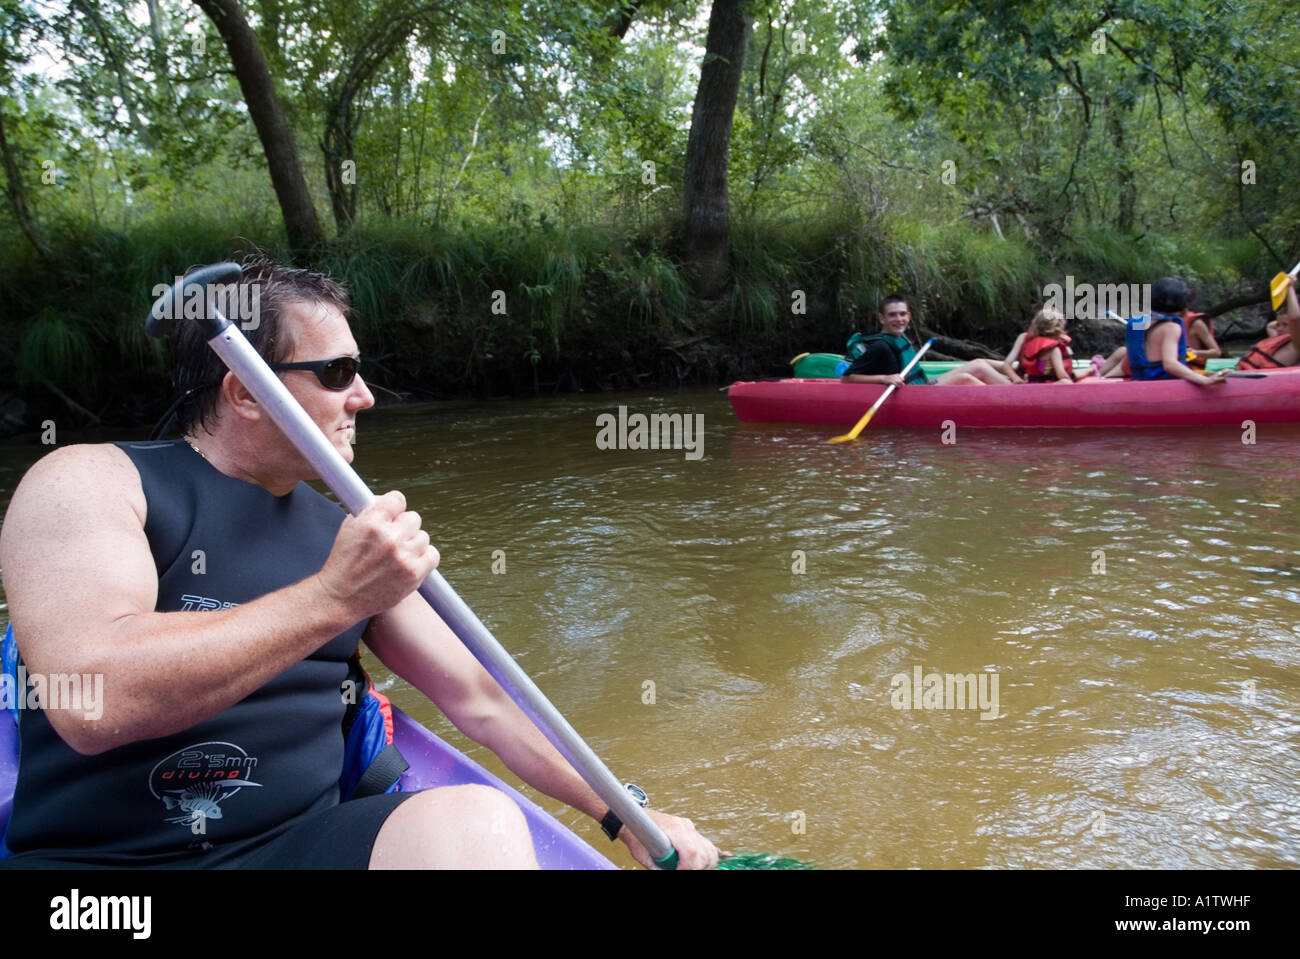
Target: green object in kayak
{"x":818,"y":366}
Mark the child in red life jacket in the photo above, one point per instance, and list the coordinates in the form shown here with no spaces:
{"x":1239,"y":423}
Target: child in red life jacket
{"x":1044,"y":350}
{"x":1280,"y":349}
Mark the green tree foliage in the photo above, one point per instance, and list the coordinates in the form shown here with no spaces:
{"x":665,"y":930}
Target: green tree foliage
{"x":967,"y":152}
{"x":1066,"y":116}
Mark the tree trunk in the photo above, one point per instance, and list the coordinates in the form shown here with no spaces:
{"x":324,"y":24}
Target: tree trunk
{"x":338,"y":147}
{"x":17,"y":195}
{"x":1258,"y":296}
{"x":704,"y":201}
{"x":1126,"y":185}
{"x":385,"y":35}
{"x":300,"y":222}
{"x":90,"y":11}
{"x":618,"y":22}
{"x":957,"y":349}
{"x":158,"y":51}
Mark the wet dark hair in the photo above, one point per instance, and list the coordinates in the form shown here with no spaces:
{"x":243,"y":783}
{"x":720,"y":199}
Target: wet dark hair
{"x":892,"y":298}
{"x":197,"y":370}
{"x":1170,"y":294}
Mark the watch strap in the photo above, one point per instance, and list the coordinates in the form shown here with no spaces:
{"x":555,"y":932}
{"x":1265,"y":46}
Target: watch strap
{"x":611,"y":824}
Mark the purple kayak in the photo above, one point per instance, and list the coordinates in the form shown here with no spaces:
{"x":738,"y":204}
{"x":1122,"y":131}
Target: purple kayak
{"x":433,"y":763}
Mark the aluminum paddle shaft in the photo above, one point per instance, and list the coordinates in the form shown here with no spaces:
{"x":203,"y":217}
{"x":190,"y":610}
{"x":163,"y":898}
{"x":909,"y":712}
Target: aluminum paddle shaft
{"x":229,"y":343}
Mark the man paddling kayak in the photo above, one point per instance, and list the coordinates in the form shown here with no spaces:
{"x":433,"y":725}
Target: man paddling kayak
{"x":1279,"y":348}
{"x":889,"y":352}
{"x":221,"y":599}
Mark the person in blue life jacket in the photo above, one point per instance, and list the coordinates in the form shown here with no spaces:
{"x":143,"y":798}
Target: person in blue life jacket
{"x":1157,"y":343}
{"x":888,"y":353}
{"x":244,"y":658}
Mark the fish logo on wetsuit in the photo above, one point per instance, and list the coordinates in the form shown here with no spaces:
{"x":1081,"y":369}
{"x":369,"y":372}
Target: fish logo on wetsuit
{"x":193,"y":782}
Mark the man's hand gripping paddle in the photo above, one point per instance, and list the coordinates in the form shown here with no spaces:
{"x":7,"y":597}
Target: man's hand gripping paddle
{"x":1277,"y":286}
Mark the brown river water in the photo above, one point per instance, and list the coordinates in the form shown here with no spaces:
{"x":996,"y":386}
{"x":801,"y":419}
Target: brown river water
{"x":736,"y":631}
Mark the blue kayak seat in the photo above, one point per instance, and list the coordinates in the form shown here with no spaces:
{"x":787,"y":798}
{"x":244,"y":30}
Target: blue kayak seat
{"x":9,"y":692}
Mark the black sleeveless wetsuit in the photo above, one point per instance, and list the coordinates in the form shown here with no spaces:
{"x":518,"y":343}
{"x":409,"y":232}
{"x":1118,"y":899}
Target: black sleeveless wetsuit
{"x":230,"y":785}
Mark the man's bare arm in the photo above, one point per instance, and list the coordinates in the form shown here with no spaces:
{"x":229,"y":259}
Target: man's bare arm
{"x":413,"y":642}
{"x":1201,"y":341}
{"x":82,"y":587}
{"x":1165,"y":339}
{"x":1290,"y":306}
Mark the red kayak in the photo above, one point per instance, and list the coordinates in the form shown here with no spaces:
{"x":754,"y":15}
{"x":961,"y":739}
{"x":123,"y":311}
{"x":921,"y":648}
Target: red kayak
{"x":1271,"y":398}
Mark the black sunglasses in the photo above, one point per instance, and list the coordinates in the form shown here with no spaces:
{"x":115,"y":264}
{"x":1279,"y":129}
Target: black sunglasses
{"x":335,"y":374}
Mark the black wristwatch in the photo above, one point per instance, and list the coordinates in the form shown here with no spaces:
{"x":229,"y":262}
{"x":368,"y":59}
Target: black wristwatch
{"x":611,"y":823}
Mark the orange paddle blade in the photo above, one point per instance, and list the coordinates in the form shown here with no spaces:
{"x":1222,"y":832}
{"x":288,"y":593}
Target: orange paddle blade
{"x":853,"y":433}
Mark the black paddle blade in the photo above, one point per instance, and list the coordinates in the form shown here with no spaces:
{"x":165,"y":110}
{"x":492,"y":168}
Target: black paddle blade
{"x":192,"y":297}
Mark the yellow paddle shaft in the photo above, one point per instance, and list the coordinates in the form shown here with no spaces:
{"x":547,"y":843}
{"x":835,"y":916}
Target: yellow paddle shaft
{"x":862,"y":423}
